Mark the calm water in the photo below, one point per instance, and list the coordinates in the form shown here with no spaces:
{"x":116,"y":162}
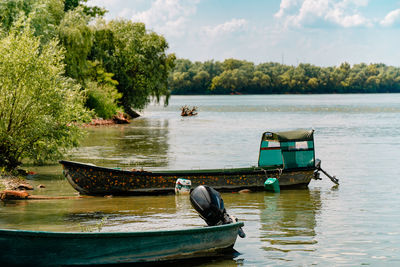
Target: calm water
{"x":357,"y":138}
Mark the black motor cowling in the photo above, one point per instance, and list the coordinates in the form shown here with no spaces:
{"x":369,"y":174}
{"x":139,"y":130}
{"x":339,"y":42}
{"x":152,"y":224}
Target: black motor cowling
{"x":210,"y":206}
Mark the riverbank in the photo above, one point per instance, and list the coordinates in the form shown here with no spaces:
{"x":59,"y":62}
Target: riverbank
{"x":13,"y":187}
{"x":10,"y":182}
{"x":118,"y":118}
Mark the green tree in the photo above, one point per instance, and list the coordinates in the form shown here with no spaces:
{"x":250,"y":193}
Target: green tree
{"x":37,"y":102}
{"x":77,"y":38}
{"x":138,"y":59}
{"x":45,"y":17}
{"x":11,"y":10}
{"x":230,"y":81}
{"x":240,"y":76}
{"x":201,"y":80}
{"x":92,"y":11}
{"x":101,"y":91}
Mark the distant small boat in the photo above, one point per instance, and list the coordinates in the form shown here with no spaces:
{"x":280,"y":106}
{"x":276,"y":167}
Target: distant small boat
{"x":287,"y":156}
{"x":188,"y":111}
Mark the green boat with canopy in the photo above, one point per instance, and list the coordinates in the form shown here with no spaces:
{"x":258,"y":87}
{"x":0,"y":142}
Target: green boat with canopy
{"x":287,"y":156}
{"x":287,"y":150}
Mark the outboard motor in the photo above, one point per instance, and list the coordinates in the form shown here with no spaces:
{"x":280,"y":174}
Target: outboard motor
{"x":210,"y":206}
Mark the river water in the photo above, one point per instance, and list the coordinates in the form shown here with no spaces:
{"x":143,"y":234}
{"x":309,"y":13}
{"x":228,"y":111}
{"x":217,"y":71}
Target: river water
{"x":357,"y":137}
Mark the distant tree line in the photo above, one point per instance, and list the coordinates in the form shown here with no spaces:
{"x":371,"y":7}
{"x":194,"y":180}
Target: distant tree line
{"x":234,"y":76}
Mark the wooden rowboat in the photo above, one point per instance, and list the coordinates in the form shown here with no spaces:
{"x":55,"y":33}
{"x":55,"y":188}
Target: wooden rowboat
{"x":36,"y":248}
{"x":287,"y":156}
{"x":95,"y":180}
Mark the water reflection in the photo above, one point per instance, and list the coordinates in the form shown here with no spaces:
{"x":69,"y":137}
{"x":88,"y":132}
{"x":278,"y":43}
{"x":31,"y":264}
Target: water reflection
{"x":145,"y":213}
{"x":122,"y":213}
{"x":143,"y":143}
{"x":288,"y":222}
{"x":223,"y":258}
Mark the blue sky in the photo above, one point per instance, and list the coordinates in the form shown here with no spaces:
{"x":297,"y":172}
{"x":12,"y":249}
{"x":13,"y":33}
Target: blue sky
{"x":320,"y":32}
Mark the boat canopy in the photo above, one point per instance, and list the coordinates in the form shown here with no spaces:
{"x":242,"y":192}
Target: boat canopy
{"x":287,"y":150}
{"x":297,"y":135}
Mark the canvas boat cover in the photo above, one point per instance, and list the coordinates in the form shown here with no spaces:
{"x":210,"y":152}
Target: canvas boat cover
{"x":297,"y":135}
{"x":290,"y":150}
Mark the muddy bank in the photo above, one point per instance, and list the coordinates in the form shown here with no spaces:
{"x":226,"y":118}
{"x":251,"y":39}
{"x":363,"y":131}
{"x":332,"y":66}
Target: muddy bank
{"x":119,"y":118}
{"x":8,"y":182}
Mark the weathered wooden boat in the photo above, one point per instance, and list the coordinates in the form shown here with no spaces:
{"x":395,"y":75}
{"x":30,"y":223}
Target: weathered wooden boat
{"x":38,"y":248}
{"x":287,"y":156}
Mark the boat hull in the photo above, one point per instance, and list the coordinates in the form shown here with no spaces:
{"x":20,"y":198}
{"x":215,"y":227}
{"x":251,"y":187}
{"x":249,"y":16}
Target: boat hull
{"x":95,"y":180}
{"x":52,"y":248}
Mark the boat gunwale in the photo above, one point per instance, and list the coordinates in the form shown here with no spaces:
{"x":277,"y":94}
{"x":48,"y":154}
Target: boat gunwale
{"x":48,"y":234}
{"x":230,"y":171}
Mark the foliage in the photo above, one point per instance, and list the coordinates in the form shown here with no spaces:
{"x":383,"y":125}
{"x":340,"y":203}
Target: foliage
{"x":102,"y":94}
{"x":92,"y":11}
{"x":77,"y":38}
{"x":234,"y":76}
{"x":37,"y":103}
{"x":138,"y":59}
{"x":11,"y":10}
{"x":45,"y":17}
{"x":101,"y":99}
{"x":108,"y":65}
{"x":193,"y":78}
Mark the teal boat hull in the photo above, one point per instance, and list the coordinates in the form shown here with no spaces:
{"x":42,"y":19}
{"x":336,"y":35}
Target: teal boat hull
{"x":20,"y":247}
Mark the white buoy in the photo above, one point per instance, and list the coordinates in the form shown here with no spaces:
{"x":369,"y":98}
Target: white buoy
{"x":182,"y":186}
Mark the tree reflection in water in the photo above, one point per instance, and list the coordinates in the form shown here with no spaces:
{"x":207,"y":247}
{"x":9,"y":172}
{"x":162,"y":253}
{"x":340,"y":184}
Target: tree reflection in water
{"x":288,"y":221}
{"x":143,"y":143}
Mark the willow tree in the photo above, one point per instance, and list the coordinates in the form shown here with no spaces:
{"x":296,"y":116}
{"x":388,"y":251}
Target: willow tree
{"x":37,"y":102}
{"x":10,"y":10}
{"x":77,"y":38}
{"x":44,"y":16}
{"x":138,"y":59}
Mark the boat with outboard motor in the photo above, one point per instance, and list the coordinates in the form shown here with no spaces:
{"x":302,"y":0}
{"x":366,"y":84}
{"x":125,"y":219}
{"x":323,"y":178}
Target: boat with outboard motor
{"x":38,"y":248}
{"x":288,"y":156}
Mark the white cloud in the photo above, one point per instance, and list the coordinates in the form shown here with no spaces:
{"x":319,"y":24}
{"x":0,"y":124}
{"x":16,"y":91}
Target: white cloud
{"x":286,"y":5}
{"x":168,"y":17}
{"x":391,"y":18}
{"x":116,"y":8}
{"x":125,"y":13}
{"x":316,"y":13}
{"x":104,"y":3}
{"x":231,"y":26}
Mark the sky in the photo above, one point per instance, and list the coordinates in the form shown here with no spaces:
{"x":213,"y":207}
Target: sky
{"x":320,"y":32}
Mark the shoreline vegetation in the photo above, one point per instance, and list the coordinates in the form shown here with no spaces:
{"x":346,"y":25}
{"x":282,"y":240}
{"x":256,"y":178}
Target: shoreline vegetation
{"x":236,"y":77}
{"x":119,"y":118}
{"x":63,"y":64}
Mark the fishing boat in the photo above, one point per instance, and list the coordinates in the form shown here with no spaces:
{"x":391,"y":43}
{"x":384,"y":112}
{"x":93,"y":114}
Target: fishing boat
{"x":288,"y":156}
{"x":39,"y":248}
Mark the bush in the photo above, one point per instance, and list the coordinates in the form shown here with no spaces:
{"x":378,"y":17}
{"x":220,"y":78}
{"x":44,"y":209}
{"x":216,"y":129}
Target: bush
{"x":102,"y":99}
{"x":37,"y":102}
